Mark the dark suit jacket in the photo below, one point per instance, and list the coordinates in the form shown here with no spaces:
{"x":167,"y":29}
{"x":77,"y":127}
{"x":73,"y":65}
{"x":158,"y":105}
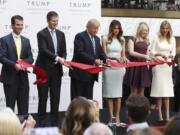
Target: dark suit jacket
{"x":83,"y":53}
{"x":46,"y":55}
{"x":8,"y":58}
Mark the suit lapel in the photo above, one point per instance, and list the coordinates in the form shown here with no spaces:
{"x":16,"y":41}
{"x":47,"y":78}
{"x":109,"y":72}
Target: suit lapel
{"x":97,"y":45}
{"x":12,"y":42}
{"x":22,"y":46}
{"x":50,"y":39}
{"x":90,"y":42}
{"x":58,"y":36}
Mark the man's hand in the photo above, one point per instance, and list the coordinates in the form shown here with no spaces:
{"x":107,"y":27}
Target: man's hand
{"x":98,"y":62}
{"x":19,"y":67}
{"x":30,"y":122}
{"x":61,"y":60}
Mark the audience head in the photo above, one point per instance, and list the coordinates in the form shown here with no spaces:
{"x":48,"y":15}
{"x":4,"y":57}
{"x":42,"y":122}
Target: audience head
{"x":80,"y":115}
{"x":165,"y":30}
{"x":142,"y":31}
{"x":138,"y":108}
{"x":173,"y":126}
{"x":93,"y":27}
{"x":9,"y":123}
{"x":146,"y":131}
{"x":98,"y":129}
{"x":177,"y":59}
{"x":17,"y":24}
{"x":52,"y":19}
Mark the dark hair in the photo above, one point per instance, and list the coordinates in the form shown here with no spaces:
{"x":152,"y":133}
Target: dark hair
{"x":111,"y":27}
{"x":177,"y":57}
{"x":16,"y":17}
{"x":51,"y":14}
{"x":138,"y":108}
{"x":173,"y":126}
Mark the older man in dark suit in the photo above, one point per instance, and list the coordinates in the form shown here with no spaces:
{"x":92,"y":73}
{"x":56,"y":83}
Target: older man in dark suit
{"x":51,"y":57}
{"x":14,"y":77}
{"x":87,"y":50}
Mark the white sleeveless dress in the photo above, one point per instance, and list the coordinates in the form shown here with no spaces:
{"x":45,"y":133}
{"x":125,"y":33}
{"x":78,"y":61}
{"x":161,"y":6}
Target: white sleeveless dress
{"x":113,"y":77}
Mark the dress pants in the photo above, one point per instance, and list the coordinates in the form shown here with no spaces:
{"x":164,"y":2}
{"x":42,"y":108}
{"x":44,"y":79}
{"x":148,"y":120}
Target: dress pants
{"x":81,"y":88}
{"x":53,"y":86}
{"x":18,"y":91}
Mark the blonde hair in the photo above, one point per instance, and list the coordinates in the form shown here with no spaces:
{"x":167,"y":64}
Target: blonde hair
{"x":169,"y":35}
{"x":140,"y":27}
{"x":80,"y":115}
{"x":93,"y":22}
{"x":9,"y":123}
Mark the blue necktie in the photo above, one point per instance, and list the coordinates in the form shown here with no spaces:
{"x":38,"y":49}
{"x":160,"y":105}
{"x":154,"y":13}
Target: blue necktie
{"x":94,"y":44}
{"x":54,"y":38}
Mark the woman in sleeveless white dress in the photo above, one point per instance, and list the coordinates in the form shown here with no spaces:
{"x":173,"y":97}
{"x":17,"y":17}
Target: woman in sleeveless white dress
{"x":164,"y":49}
{"x":114,"y":47}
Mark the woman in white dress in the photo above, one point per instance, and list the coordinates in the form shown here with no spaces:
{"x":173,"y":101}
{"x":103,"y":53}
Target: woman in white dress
{"x":114,"y":47}
{"x":163,"y":48}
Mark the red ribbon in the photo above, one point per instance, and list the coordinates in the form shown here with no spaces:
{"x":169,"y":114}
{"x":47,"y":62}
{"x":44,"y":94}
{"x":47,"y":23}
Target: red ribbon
{"x":89,"y":68}
{"x":136,"y":64}
{"x":96,"y":69}
{"x":42,"y":77}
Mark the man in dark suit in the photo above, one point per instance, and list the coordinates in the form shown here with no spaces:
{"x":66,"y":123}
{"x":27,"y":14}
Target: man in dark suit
{"x":14,"y":76}
{"x":87,"y":50}
{"x":51,"y":57}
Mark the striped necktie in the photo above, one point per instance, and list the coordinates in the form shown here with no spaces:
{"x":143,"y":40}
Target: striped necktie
{"x":94,"y":44}
{"x":54,"y":38}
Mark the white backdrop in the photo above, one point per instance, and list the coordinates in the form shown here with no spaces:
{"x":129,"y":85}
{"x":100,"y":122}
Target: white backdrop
{"x":73,"y":16}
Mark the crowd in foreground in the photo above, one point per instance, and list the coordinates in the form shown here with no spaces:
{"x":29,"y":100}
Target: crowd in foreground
{"x":82,"y":118}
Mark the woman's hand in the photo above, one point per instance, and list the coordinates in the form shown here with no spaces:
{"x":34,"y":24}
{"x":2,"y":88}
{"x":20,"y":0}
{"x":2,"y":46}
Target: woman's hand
{"x":125,"y":60}
{"x":171,"y":57}
{"x":148,"y":58}
{"x":121,"y":60}
{"x":160,"y":58}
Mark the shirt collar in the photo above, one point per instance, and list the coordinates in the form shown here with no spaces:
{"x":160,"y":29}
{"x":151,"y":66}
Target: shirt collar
{"x":90,"y":36}
{"x":135,"y":126}
{"x":50,"y":30}
{"x":15,"y":35}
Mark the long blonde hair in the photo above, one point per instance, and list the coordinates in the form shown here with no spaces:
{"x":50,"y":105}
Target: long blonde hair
{"x":140,"y":27}
{"x":169,"y":35}
{"x":9,"y":123}
{"x":80,"y":115}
